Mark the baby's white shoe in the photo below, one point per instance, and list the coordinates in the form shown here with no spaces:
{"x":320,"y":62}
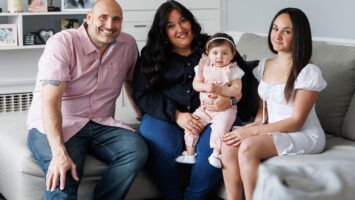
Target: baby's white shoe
{"x":187,"y":159}
{"x":215,"y":160}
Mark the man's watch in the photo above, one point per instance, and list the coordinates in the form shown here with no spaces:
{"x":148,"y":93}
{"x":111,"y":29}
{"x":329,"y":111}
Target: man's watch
{"x":234,"y":101}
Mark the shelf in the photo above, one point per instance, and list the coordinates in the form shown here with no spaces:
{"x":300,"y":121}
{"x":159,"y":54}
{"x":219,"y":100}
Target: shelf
{"x":31,"y":22}
{"x":9,"y":14}
{"x":36,"y":46}
{"x":54,"y":13}
{"x":44,"y":13}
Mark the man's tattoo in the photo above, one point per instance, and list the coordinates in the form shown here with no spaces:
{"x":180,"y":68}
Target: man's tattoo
{"x":51,"y":82}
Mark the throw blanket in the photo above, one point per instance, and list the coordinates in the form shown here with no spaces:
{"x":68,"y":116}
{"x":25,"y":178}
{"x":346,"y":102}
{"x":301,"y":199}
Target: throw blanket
{"x":327,"y":181}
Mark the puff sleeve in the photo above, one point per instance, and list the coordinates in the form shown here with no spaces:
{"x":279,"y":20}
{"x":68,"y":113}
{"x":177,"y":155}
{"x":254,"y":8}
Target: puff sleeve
{"x":236,"y":71}
{"x":259,"y":70}
{"x":310,"y":78}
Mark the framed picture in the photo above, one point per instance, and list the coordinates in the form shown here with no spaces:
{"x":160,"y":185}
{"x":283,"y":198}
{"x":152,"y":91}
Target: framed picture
{"x":8,"y":35}
{"x":69,"y":23}
{"x":37,"y":5}
{"x":77,"y":5}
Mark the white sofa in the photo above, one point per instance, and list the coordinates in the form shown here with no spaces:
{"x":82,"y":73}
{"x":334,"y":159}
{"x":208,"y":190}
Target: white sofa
{"x":326,"y":176}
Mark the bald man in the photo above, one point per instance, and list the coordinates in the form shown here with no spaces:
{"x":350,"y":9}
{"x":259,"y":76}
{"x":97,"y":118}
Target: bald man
{"x":80,"y":75}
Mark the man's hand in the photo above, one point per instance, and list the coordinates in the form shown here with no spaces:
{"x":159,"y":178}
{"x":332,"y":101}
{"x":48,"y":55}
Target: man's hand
{"x":57,"y":170}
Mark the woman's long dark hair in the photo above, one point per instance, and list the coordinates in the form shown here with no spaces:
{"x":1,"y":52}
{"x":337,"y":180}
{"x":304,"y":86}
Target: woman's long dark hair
{"x":301,"y":45}
{"x":155,"y":54}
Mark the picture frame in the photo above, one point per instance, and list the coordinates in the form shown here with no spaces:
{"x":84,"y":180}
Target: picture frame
{"x":37,"y":6}
{"x":69,"y":23}
{"x":77,"y":5}
{"x":8,"y":35}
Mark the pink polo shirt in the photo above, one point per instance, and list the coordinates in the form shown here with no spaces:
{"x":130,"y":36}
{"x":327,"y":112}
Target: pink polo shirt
{"x":92,"y":86}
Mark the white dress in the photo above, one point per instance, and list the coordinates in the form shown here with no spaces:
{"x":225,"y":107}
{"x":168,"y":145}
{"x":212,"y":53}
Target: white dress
{"x":311,"y":138}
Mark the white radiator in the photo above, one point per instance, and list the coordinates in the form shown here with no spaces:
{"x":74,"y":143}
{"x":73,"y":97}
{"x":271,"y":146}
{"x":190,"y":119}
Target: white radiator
{"x":15,"y":102}
{"x":21,"y":101}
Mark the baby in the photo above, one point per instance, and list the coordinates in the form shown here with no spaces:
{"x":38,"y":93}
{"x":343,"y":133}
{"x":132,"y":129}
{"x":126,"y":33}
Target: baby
{"x":214,"y":74}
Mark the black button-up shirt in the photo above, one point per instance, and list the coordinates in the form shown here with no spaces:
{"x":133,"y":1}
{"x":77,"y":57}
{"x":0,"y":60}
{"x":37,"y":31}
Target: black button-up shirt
{"x":174,"y":91}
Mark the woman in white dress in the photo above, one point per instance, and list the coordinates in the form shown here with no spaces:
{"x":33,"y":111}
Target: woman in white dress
{"x":286,"y":122}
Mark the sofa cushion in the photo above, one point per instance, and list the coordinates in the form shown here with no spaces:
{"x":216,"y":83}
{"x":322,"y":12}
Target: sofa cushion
{"x":338,"y":67}
{"x":253,"y":47}
{"x":249,"y":103}
{"x":21,"y":177}
{"x":349,"y":125}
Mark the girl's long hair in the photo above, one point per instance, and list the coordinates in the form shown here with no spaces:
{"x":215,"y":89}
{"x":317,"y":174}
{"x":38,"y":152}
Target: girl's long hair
{"x":301,"y":45}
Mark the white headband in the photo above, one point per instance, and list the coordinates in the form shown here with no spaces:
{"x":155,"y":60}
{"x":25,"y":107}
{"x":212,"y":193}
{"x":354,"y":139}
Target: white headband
{"x":220,"y":38}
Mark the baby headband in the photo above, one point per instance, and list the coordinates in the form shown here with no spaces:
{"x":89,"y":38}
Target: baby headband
{"x":220,"y":38}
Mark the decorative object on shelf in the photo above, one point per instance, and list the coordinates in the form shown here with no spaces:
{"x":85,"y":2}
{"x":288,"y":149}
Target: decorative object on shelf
{"x":42,"y":35}
{"x":69,"y":23}
{"x":52,"y":8}
{"x":14,"y":6}
{"x":8,"y":35}
{"x":37,"y":5}
{"x":29,"y":39}
{"x":71,"y":5}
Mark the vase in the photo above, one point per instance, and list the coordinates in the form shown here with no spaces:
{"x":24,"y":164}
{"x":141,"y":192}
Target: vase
{"x":14,"y":6}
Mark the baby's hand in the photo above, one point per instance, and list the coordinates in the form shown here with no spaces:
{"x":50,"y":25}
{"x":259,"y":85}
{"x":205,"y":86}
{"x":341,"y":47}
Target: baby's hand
{"x":217,"y":89}
{"x":204,"y":60}
{"x":210,"y":87}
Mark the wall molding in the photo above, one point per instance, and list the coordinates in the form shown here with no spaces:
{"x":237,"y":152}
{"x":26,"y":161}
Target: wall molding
{"x":335,"y":41}
{"x":16,"y":87}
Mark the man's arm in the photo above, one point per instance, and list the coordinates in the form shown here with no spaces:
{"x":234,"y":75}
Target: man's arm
{"x":129,"y":91}
{"x":52,"y":93}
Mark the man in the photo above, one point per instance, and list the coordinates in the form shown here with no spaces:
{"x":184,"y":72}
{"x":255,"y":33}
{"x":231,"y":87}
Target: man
{"x":81,"y":73}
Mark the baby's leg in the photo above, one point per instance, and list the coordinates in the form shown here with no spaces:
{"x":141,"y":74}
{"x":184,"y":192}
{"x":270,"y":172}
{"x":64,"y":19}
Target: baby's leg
{"x":190,"y":142}
{"x":222,"y":123}
{"x":188,"y":156}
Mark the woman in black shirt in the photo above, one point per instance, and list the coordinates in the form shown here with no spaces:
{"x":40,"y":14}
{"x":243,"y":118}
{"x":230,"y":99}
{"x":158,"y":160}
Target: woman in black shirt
{"x":162,"y":89}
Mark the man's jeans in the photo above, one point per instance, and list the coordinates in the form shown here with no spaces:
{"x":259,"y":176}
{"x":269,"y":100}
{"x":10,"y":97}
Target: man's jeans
{"x":122,"y":150}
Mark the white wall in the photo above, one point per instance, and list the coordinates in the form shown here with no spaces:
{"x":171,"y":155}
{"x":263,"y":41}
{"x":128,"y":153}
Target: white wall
{"x":328,"y":18}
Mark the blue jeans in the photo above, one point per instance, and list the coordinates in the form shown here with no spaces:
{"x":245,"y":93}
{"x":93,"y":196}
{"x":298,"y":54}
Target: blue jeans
{"x":122,"y":150}
{"x":165,"y":142}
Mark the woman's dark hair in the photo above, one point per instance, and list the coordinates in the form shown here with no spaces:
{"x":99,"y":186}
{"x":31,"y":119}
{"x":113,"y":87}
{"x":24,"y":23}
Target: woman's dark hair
{"x":155,"y":53}
{"x":301,"y":44}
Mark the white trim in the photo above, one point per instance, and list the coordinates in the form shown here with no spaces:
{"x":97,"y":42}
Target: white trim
{"x":16,"y":87}
{"x":335,"y":41}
